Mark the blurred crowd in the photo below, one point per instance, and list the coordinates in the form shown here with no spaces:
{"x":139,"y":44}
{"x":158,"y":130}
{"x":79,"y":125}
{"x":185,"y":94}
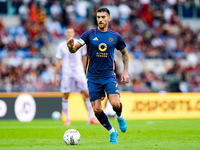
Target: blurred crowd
{"x":151,"y":29}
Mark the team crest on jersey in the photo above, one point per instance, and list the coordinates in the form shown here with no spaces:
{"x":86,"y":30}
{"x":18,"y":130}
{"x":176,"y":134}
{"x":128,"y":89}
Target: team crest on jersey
{"x":111,"y":39}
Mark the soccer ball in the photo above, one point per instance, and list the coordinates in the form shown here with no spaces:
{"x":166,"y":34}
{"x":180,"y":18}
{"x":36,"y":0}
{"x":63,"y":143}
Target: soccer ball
{"x":56,"y":115}
{"x":72,"y":137}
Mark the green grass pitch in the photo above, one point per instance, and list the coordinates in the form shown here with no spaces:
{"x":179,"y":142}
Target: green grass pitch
{"x":180,"y":134}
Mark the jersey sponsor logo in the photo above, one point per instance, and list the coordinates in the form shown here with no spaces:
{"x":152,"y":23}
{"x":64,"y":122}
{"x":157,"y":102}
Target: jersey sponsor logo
{"x":102,"y":47}
{"x":95,"y":39}
{"x":111,"y":39}
{"x":99,"y":54}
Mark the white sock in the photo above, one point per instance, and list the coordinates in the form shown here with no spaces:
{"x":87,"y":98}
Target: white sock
{"x":109,"y":109}
{"x":111,"y":130}
{"x":119,"y":116}
{"x":89,"y":108}
{"x":65,"y":107}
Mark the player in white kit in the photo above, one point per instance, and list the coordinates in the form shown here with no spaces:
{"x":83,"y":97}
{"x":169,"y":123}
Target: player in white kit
{"x":73,"y":75}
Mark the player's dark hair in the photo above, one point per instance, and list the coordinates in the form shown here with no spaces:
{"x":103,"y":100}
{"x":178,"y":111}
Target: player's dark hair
{"x":69,"y":27}
{"x":103,"y":9}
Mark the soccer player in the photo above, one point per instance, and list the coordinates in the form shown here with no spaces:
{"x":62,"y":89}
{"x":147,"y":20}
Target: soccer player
{"x":101,"y":43}
{"x":73,"y":74}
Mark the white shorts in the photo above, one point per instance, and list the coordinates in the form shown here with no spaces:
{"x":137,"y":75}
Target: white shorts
{"x":70,"y":82}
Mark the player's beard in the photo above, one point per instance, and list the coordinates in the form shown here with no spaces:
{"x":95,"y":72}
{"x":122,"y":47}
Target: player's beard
{"x":102,"y":27}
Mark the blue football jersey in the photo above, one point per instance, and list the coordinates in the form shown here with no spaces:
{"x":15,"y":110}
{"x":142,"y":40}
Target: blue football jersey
{"x":100,"y":50}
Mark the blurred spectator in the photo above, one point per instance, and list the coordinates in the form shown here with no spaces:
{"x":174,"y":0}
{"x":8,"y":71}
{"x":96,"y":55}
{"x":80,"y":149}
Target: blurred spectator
{"x":70,"y":9}
{"x":65,"y":15}
{"x":124,"y":12}
{"x":168,"y":11}
{"x":41,"y":16}
{"x":42,"y":2}
{"x":21,"y":41}
{"x":38,"y":85}
{"x":56,"y":10}
{"x":13,"y":60}
{"x":7,"y":85}
{"x":3,"y":35}
{"x":55,"y":28}
{"x":33,"y":12}
{"x":81,"y":10}
{"x":24,"y":13}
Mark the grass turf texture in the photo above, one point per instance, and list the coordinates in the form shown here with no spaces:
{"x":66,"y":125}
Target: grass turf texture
{"x":141,"y":134}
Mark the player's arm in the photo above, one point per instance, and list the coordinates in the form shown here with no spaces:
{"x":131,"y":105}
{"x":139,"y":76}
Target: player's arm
{"x":84,"y":59}
{"x":73,"y":48}
{"x":57,"y":68}
{"x":125,"y":76}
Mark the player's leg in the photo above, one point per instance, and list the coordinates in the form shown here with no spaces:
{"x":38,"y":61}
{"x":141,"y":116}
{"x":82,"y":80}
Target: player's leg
{"x":109,"y":109}
{"x":91,"y":119}
{"x":67,"y":86}
{"x":65,"y":108}
{"x":103,"y":119}
{"x":112,"y":91}
{"x":117,"y":107}
{"x":96,"y":92}
{"x":81,"y":83}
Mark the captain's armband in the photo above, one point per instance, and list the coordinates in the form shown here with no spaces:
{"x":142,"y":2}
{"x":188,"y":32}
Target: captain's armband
{"x":81,"y":41}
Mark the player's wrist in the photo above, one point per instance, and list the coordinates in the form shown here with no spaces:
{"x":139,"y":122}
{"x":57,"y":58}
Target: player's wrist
{"x":125,"y":72}
{"x":71,"y":49}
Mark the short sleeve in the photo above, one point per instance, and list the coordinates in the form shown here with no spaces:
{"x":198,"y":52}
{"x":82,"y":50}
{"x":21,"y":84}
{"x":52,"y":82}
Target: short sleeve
{"x":120,"y":44}
{"x":59,"y":52}
{"x":83,"y":38}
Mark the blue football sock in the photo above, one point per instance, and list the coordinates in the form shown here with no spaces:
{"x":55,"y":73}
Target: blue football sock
{"x":103,"y":119}
{"x":118,"y":110}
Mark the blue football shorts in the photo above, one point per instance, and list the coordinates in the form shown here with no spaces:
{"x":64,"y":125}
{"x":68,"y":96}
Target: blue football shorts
{"x":97,"y":90}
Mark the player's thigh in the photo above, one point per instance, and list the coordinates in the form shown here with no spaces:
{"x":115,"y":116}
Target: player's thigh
{"x":114,"y":100}
{"x":67,"y":84}
{"x":112,"y":90}
{"x":96,"y":91}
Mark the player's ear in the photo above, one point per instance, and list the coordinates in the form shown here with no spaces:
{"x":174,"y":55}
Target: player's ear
{"x":109,"y":18}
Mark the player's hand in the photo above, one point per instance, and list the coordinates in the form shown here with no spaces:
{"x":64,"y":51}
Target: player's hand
{"x":70,"y":43}
{"x":56,"y":81}
{"x":125,"y":77}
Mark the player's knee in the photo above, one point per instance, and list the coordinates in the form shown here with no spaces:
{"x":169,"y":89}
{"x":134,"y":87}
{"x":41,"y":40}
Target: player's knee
{"x":115,"y":104}
{"x":66,"y":95}
{"x":97,"y":110}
